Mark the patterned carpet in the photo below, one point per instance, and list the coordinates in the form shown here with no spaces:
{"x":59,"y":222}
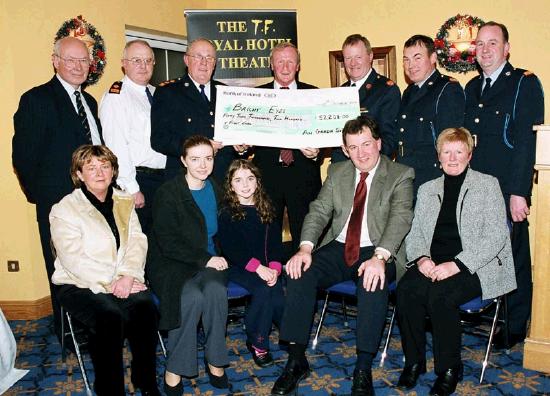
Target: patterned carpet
{"x":332,"y":363}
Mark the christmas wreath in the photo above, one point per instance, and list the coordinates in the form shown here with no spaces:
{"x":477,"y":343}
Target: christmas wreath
{"x":458,"y":55}
{"x":79,"y":28}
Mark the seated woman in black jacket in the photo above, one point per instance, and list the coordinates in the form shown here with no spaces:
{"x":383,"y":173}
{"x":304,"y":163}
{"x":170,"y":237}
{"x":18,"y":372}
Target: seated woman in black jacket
{"x":251,"y":241}
{"x":185,"y":270}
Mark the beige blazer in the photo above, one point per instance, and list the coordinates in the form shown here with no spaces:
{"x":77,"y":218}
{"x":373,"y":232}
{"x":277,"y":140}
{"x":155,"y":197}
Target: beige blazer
{"x":86,"y":247}
{"x":389,"y":206}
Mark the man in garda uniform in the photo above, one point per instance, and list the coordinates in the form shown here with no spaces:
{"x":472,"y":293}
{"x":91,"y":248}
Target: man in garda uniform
{"x":185,"y":107}
{"x":292,"y":178}
{"x":367,"y":205}
{"x":430,"y":104}
{"x":379,"y":97}
{"x":125,"y":114}
{"x":52,"y":121}
{"x":502,"y":105}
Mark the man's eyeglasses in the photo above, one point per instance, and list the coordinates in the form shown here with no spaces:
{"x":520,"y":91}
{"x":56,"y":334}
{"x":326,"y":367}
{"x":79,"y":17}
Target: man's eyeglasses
{"x":199,"y":58}
{"x":141,"y":61}
{"x":73,"y":62}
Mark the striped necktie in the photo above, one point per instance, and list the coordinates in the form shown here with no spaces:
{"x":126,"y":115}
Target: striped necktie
{"x":82,"y":116}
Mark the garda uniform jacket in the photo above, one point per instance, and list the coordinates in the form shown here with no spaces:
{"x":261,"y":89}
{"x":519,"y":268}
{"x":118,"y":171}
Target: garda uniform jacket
{"x":379,"y":97}
{"x":484,"y":233}
{"x":424,"y":113}
{"x":502,"y":123}
{"x":179,"y":111}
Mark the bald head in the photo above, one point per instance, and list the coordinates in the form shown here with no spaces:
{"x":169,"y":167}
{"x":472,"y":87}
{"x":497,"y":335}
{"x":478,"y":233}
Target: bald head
{"x":71,"y":60}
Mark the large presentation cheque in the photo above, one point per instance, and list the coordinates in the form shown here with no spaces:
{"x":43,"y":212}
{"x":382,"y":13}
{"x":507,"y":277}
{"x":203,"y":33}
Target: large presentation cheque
{"x":283,"y":118}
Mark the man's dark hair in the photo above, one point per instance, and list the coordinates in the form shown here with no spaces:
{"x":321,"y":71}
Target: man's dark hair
{"x":502,"y":27}
{"x":421,"y":40}
{"x":355,"y":127}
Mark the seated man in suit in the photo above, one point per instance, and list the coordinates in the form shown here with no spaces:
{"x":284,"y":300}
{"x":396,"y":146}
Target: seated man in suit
{"x":363,"y":244}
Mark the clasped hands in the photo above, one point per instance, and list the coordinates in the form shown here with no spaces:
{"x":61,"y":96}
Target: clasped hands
{"x":372,"y":270}
{"x":437,"y":272}
{"x":126,"y":285}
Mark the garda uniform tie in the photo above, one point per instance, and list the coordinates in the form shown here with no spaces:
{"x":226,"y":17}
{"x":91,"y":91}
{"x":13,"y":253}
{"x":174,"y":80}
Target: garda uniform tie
{"x":353,"y":234}
{"x":287,"y":156}
{"x":203,"y":94}
{"x":82,"y":116}
{"x":487,"y":87}
{"x":149,"y":95}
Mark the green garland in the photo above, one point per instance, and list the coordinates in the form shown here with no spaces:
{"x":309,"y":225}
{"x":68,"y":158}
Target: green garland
{"x":77,"y":27}
{"x":448,"y":55}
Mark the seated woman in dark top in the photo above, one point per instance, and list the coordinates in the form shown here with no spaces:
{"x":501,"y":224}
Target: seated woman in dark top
{"x":99,"y":269}
{"x":251,"y":241}
{"x":459,"y":249}
{"x":185,"y":270}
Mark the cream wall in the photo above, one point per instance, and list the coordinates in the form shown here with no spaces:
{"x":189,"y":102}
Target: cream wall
{"x":28,"y":28}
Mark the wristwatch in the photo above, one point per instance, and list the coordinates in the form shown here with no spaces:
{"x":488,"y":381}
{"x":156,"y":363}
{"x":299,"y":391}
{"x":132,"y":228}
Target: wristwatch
{"x":380,"y":257}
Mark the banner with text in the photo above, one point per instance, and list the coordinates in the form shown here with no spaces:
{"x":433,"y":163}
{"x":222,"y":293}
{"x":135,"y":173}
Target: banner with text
{"x":243,"y":38}
{"x":283,"y":118}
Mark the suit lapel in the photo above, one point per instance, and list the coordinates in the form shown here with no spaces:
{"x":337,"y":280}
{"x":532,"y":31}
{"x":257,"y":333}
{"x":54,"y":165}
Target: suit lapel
{"x":346,"y":191}
{"x":66,"y":108}
{"x":500,"y":84}
{"x":376,"y":188}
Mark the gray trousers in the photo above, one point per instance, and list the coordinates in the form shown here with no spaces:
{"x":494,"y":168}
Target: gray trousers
{"x":204,"y":296}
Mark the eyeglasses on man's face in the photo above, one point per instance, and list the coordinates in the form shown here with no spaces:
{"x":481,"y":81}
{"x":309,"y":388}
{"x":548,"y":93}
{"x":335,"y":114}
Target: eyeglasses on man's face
{"x":141,"y":61}
{"x":74,"y":62}
{"x":199,"y":59}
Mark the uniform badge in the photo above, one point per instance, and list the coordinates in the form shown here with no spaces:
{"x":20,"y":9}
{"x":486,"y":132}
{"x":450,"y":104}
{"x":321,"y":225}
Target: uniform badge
{"x":115,"y":88}
{"x":508,"y":73}
{"x":431,"y":83}
{"x":165,"y":83}
{"x":452,"y":79}
{"x":368,"y":86}
{"x":527,"y":73}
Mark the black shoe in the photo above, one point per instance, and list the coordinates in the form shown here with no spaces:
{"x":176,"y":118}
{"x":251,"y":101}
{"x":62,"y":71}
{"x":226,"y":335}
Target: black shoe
{"x":500,"y":341}
{"x":220,"y":382}
{"x":410,"y":374}
{"x":173,"y":390}
{"x":445,"y":384}
{"x":288,"y":381}
{"x":153,"y":391}
{"x":362,"y":383}
{"x":261,"y":359}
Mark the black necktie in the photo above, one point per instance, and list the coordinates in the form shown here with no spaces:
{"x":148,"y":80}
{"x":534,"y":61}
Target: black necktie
{"x":149,"y":95}
{"x":203,"y":94}
{"x":82,"y":116}
{"x":487,"y":87}
{"x":353,"y":84}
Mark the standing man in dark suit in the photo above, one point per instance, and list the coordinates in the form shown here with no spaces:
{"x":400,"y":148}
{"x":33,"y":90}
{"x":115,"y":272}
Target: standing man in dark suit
{"x":368,"y":203}
{"x":292,"y":178}
{"x":53,"y":120}
{"x":502,"y":105}
{"x":185,"y":107}
{"x":430,"y":104}
{"x":379,"y":97}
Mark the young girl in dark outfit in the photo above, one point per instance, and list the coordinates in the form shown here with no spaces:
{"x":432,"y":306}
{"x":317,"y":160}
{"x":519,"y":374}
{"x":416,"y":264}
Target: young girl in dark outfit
{"x":251,"y":241}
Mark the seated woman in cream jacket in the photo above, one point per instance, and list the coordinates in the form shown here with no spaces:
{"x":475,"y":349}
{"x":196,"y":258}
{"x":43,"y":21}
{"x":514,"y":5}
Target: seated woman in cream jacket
{"x":99,"y":271}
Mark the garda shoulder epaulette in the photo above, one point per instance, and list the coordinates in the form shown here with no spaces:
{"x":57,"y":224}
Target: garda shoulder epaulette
{"x":453,"y":80}
{"x":115,"y":88}
{"x":528,"y":73}
{"x":389,"y":82}
{"x":168,"y":82}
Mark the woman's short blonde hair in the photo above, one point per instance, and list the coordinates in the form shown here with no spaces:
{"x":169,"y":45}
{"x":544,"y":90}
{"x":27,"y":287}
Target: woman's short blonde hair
{"x":455,"y":135}
{"x":84,"y":154}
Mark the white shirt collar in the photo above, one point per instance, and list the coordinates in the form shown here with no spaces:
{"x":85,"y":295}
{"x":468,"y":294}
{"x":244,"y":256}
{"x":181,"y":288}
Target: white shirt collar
{"x":206,"y":87}
{"x":292,"y":85}
{"x":494,"y":75}
{"x":359,"y":83}
{"x":68,"y":87}
{"x":426,"y":79}
{"x":127,"y":81}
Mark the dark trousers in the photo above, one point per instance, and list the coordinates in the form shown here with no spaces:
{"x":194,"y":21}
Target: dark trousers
{"x":45,"y":241}
{"x":266,"y":306}
{"x":418,"y":297}
{"x":328,"y":268}
{"x":111,"y":320}
{"x":148,"y":185}
{"x":519,"y":301}
{"x":286,"y":187}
